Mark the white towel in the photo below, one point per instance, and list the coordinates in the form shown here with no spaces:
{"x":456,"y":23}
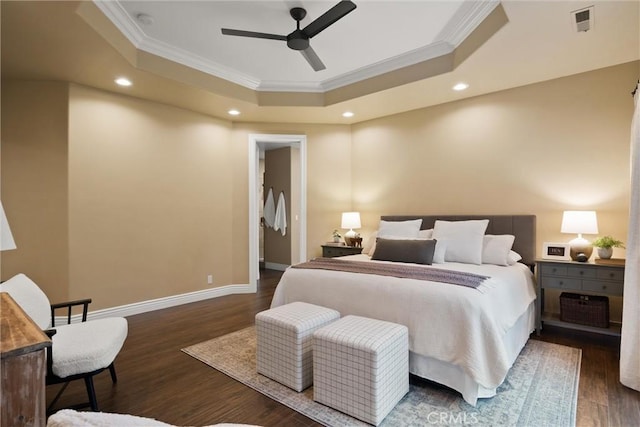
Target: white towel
{"x":269,"y":212}
{"x":280,"y":222}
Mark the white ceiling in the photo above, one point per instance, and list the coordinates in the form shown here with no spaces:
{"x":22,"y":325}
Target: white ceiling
{"x":377,"y":37}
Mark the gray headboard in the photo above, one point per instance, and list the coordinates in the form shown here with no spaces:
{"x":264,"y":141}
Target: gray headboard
{"x":521,"y":226}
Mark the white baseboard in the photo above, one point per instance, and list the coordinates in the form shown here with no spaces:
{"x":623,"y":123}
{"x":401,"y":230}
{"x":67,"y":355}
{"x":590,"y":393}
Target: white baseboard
{"x":275,"y":266}
{"x":159,"y":303}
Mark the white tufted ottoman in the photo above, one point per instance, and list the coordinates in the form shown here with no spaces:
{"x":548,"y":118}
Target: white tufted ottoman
{"x":285,"y":341}
{"x":361,"y":367}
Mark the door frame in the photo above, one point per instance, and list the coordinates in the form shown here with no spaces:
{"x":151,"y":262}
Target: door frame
{"x":254,"y":221}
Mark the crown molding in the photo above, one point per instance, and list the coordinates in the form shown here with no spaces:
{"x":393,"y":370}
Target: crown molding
{"x":132,"y":31}
{"x":466,"y":19}
{"x":470,"y":14}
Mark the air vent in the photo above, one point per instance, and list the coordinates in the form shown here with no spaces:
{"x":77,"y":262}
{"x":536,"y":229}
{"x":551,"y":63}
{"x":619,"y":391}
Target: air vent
{"x":582,"y":19}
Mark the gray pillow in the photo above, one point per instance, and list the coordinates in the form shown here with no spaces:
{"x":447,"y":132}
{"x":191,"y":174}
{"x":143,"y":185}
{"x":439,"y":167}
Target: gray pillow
{"x":415,"y":251}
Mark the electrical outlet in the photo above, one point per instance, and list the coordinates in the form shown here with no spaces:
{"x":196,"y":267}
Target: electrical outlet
{"x":210,"y":279}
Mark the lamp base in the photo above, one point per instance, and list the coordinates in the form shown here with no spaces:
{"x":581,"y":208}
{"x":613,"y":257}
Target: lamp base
{"x":349,"y":236}
{"x":580,"y":249}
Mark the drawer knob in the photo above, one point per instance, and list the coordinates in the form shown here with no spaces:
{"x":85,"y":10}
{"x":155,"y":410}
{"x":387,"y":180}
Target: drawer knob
{"x":604,"y":286}
{"x":611,"y":275}
{"x":561,"y":283}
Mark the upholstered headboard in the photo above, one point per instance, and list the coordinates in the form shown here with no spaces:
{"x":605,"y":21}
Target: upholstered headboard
{"x":523,"y":227}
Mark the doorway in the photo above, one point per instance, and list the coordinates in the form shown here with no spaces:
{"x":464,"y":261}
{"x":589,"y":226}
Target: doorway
{"x":298,"y":219}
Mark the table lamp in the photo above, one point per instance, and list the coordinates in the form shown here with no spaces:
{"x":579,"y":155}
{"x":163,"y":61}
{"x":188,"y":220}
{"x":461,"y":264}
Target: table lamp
{"x":579,"y":222}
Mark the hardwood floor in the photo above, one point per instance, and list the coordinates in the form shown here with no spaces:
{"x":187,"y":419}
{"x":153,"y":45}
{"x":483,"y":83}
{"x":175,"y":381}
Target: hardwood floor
{"x":157,"y":380}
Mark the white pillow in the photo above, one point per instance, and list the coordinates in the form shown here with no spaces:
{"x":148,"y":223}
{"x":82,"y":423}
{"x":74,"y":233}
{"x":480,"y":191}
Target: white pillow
{"x":400,"y":229}
{"x":514,"y":257}
{"x":438,"y":254}
{"x":370,"y":246}
{"x":495,"y":249}
{"x":426,"y":234}
{"x":464,"y":239}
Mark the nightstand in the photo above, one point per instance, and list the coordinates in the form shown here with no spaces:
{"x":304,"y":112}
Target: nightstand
{"x":604,"y":277}
{"x":334,"y":250}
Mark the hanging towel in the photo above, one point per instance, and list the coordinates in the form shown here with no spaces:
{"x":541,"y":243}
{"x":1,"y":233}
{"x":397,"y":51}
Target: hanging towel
{"x":269,"y":212}
{"x":281,"y":215}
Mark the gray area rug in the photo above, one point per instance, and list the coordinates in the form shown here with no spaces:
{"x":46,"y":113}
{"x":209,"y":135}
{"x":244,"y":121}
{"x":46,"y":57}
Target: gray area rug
{"x":541,"y":389}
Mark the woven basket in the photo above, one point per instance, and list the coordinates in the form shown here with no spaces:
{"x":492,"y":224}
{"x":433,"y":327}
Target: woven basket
{"x":587,"y":310}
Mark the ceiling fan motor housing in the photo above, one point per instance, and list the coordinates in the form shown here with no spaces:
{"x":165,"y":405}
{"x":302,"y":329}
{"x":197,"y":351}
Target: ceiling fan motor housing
{"x":297,"y":40}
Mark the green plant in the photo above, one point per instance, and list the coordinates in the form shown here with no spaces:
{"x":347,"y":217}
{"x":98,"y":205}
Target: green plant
{"x":607,"y":242}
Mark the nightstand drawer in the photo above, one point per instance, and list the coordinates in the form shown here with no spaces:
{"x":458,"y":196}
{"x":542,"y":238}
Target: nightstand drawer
{"x":561,"y":283}
{"x":611,"y":274}
{"x":585,"y":272}
{"x":553,"y":270}
{"x":332,"y":252}
{"x":611,"y":288}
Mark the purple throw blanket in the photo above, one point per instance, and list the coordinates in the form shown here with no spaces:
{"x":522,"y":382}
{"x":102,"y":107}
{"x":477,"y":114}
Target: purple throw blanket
{"x":396,"y":270}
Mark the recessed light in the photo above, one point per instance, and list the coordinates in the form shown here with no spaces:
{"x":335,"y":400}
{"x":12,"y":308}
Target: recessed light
{"x":234,"y":112}
{"x":460,"y":86}
{"x":347,"y":114}
{"x":123,"y":81}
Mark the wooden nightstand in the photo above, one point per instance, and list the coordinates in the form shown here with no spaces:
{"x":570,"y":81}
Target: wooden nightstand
{"x":334,"y":250}
{"x":604,"y":277}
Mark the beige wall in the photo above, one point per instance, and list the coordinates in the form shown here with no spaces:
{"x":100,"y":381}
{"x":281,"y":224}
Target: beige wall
{"x":126,"y":200}
{"x":149,"y":199}
{"x":540,"y":149}
{"x":34,"y":183}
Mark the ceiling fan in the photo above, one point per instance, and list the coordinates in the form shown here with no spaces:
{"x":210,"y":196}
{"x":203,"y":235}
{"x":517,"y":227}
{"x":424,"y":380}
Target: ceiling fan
{"x":299,"y":38}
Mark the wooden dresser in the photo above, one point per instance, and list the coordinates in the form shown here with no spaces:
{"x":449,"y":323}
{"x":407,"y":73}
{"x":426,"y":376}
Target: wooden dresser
{"x":24,"y":367}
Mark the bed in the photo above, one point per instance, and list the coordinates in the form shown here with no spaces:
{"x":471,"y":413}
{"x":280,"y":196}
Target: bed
{"x":462,"y":337}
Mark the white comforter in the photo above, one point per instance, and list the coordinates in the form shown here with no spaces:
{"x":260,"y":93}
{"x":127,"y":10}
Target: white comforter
{"x":455,"y":324}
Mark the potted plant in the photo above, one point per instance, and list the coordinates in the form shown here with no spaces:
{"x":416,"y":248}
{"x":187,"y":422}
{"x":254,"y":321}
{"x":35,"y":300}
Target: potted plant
{"x":605,"y":246}
{"x":336,"y":236}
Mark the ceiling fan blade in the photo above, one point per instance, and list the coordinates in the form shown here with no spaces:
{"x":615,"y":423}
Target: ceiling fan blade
{"x":329,"y":17}
{"x":313,"y":59}
{"x":242,"y":33}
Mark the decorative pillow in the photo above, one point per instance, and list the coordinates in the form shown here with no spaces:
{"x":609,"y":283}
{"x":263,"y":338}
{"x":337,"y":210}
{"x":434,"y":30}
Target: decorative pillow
{"x":495,"y":249}
{"x":514,"y":257}
{"x":400,"y":229}
{"x":417,"y":251}
{"x":464,"y":239}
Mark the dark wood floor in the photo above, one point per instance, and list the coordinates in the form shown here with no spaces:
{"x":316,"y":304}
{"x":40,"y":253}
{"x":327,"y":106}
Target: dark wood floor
{"x":157,"y":380}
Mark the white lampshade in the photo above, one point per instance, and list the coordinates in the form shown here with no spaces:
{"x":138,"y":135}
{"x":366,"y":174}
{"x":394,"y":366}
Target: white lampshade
{"x":351,"y":220}
{"x":579,"y":222}
{"x":6,"y":238}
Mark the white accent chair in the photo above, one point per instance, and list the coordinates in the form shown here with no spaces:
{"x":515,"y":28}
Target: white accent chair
{"x":78,"y":350}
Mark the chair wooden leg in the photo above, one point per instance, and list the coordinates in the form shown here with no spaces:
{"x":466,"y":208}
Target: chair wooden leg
{"x":112,"y":371}
{"x":91,"y":392}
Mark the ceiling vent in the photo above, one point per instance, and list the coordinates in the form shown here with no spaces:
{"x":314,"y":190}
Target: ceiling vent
{"x":582,"y":19}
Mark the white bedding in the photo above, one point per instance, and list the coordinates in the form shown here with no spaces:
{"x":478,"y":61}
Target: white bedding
{"x":453,"y":324}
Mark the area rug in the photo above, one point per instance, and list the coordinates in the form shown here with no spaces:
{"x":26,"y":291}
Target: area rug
{"x":541,"y":389}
